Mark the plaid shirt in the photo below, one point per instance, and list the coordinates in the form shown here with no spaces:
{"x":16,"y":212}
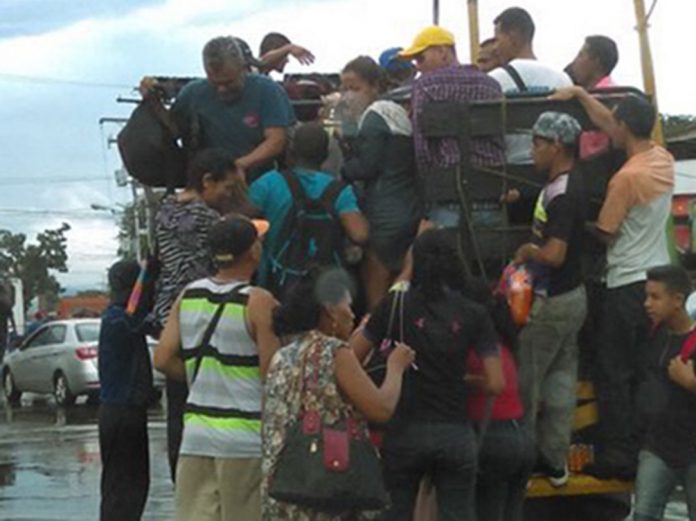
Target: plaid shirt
{"x":455,"y":83}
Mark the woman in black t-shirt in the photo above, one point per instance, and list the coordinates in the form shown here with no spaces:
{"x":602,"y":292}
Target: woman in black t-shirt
{"x":430,"y":432}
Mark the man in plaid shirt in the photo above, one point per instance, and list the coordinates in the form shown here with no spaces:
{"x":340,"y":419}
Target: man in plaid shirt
{"x":443,"y":78}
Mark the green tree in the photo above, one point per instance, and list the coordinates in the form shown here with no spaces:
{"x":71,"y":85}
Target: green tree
{"x":678,"y":125}
{"x":33,"y":262}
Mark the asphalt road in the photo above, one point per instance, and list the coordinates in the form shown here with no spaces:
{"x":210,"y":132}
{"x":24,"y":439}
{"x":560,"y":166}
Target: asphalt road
{"x":50,"y":465}
{"x":50,"y":469}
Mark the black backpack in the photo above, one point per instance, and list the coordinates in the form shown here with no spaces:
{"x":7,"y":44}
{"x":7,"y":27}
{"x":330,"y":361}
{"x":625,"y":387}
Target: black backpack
{"x":149,"y":149}
{"x":311,"y":235}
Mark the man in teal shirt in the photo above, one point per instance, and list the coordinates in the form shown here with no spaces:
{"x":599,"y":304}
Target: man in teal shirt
{"x":246,"y":114}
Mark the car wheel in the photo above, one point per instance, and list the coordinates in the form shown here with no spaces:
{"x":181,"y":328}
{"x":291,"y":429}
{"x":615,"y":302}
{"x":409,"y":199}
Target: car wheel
{"x":12,"y":394}
{"x":61,"y":391}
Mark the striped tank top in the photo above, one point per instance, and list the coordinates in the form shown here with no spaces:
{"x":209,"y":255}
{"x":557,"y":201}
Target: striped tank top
{"x":223,"y":410}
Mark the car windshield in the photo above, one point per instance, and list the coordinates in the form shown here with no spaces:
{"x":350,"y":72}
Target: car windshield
{"x":88,"y":332}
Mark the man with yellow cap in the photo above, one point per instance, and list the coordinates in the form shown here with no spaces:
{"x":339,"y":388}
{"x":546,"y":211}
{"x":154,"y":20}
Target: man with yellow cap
{"x":443,"y":78}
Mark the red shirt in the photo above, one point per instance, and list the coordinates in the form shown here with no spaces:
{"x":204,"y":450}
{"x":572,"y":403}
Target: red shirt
{"x":595,"y":142}
{"x":508,"y":405}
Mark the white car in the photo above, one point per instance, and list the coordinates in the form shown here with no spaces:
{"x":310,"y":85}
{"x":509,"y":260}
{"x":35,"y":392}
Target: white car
{"x":58,"y":358}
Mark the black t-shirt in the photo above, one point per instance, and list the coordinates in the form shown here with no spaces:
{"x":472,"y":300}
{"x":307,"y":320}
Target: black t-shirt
{"x":441,"y":331}
{"x":560,"y":214}
{"x":672,"y":428}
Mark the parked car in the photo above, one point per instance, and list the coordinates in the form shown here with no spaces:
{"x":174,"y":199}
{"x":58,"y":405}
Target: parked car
{"x":59,"y":358}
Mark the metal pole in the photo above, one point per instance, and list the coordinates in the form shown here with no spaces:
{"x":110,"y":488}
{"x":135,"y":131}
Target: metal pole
{"x":436,"y":12}
{"x":647,"y":63}
{"x":136,"y":222}
{"x":474,"y":38}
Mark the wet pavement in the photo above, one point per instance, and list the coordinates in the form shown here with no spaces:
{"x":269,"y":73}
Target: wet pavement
{"x":50,"y":468}
{"x":50,"y":465}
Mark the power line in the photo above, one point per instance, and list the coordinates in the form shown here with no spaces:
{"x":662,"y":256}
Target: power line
{"x":14,"y":181}
{"x":85,"y":214}
{"x":19,"y":78}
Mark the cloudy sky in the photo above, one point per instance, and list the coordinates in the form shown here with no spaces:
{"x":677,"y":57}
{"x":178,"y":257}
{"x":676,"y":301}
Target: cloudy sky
{"x":63,"y":63}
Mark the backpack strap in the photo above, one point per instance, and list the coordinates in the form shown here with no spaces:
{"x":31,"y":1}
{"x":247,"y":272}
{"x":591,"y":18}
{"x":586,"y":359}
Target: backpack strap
{"x":512,"y":72}
{"x":298,"y":194}
{"x":331,"y":194}
{"x":688,"y":347}
{"x":210,"y":329}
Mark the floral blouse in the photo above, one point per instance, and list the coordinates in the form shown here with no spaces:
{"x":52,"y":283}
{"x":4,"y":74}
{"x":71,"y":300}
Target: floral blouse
{"x":282,"y":404}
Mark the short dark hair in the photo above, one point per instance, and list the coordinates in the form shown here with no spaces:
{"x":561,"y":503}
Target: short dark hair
{"x":638,"y":114}
{"x":369,"y":70}
{"x":302,"y":305}
{"x":436,"y":264}
{"x":675,"y":279}
{"x":310,"y":144}
{"x":516,"y":19}
{"x":604,"y":50}
{"x":272,"y":41}
{"x":123,"y":275}
{"x":214,"y":161}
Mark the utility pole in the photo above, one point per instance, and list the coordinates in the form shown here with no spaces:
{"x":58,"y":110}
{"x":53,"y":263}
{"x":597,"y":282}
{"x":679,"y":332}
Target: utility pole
{"x":474,"y":38}
{"x":143,"y":219}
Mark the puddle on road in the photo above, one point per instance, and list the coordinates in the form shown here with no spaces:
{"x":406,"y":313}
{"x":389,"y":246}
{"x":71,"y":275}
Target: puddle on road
{"x":50,"y":465}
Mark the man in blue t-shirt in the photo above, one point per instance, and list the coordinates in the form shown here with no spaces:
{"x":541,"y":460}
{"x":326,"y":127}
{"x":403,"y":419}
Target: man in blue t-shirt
{"x":246,"y":114}
{"x":272,"y":196}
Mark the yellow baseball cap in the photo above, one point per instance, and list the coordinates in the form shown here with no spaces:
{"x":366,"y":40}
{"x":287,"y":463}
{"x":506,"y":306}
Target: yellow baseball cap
{"x":428,"y":37}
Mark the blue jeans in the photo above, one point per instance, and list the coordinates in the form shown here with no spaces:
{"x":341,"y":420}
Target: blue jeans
{"x":445,"y":450}
{"x":656,"y":482}
{"x":505,"y":465}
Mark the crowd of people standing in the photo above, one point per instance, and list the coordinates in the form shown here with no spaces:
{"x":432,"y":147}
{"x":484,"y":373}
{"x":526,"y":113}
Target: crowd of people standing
{"x":256,"y":301}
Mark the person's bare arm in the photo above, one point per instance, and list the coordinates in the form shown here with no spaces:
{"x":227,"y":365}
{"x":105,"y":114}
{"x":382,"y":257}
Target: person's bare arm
{"x":270,"y":148}
{"x":356,"y":226}
{"x":150,"y":92}
{"x":407,"y":269}
{"x":599,"y":234}
{"x":260,"y":316}
{"x":359,"y":343}
{"x":682,"y":373}
{"x":377,"y":405}
{"x":166,"y":358}
{"x":274,"y":57}
{"x":552,"y":253}
{"x":494,"y":380}
{"x":597,"y":112}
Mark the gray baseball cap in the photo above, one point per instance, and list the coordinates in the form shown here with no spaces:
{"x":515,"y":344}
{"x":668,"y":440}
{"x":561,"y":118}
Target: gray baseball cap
{"x":558,"y":126}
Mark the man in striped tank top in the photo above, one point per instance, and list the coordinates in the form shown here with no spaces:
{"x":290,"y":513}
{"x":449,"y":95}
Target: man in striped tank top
{"x":219,"y":339}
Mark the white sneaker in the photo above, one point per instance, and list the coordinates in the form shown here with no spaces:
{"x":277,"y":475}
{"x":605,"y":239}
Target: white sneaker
{"x":558,"y":477}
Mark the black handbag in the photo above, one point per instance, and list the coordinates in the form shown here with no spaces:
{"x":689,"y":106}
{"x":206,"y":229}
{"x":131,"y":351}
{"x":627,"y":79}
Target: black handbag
{"x":327,"y":468}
